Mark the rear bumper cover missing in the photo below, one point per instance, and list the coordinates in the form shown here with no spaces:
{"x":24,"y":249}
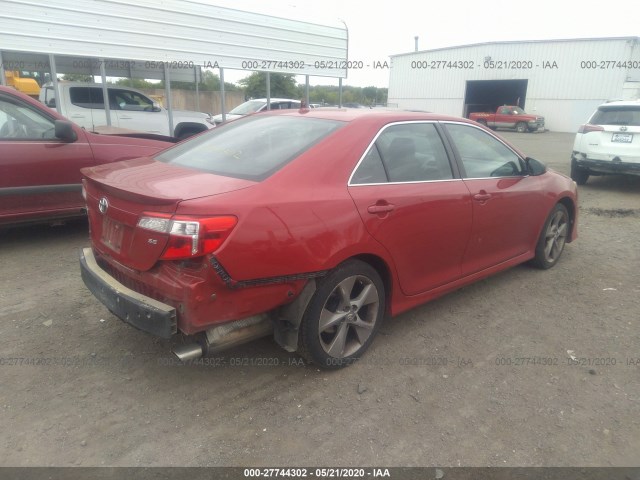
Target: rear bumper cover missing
{"x":608,"y":166}
{"x":138,"y":310}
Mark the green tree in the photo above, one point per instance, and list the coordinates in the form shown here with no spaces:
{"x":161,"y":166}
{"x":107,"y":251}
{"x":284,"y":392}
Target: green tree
{"x":137,"y":83}
{"x":209,"y":81}
{"x":282,"y":85}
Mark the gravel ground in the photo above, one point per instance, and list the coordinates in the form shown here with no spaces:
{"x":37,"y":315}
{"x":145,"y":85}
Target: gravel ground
{"x":481,"y":377}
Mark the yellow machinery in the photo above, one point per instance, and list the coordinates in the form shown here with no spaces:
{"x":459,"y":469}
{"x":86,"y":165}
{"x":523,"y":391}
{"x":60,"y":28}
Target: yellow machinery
{"x":22,"y":84}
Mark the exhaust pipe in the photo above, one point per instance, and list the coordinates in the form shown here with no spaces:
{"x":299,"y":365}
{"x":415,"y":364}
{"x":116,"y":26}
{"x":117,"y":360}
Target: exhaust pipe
{"x":235,"y":333}
{"x":188,"y":352}
{"x":225,"y":336}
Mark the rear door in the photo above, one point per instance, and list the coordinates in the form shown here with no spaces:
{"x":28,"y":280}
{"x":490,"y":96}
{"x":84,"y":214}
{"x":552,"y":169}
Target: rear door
{"x":39,"y":174}
{"x":505,"y":198}
{"x":412,"y":201}
{"x":86,"y":107}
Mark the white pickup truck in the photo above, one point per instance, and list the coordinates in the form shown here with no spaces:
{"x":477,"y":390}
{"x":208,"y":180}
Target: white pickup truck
{"x":83,"y":103}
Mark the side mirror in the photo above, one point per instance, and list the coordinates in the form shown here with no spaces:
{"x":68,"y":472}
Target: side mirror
{"x":156,"y":107}
{"x":535,"y":167}
{"x":64,"y":131}
{"x":51,"y":103}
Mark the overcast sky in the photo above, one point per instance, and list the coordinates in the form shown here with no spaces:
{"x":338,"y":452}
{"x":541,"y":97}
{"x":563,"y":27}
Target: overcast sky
{"x":382,"y":28}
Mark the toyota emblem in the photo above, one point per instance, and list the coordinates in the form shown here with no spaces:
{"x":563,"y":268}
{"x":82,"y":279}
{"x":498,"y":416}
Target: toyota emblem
{"x":623,"y":129}
{"x":103,"y":205}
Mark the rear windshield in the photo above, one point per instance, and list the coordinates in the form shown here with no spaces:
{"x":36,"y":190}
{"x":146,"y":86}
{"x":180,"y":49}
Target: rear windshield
{"x":618,"y":115}
{"x":251,"y":148}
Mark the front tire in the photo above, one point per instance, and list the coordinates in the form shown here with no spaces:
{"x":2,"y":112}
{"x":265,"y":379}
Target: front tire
{"x":343,"y":315}
{"x":553,"y":238}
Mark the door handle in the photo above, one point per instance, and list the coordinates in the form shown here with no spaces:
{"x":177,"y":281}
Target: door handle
{"x":125,"y":118}
{"x":482,"y":196}
{"x":380,"y":208}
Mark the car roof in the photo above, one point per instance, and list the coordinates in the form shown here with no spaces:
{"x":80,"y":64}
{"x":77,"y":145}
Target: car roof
{"x":621,"y":103}
{"x":353,"y":114}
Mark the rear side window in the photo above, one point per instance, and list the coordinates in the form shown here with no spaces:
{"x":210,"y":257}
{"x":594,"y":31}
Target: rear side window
{"x":411,"y":152}
{"x":251,"y":148}
{"x":87,"y":97}
{"x":618,"y":115}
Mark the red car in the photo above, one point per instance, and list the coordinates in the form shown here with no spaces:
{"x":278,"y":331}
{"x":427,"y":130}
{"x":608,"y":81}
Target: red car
{"x":41,"y":154}
{"x":314,"y":225}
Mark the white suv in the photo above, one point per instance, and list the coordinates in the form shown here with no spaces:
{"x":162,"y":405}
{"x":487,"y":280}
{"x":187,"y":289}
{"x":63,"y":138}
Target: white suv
{"x":83,"y":104}
{"x":609,"y":143}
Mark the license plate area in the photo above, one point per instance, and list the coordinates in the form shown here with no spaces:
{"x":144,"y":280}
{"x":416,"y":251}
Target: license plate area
{"x":622,"y":138}
{"x":112,"y":233}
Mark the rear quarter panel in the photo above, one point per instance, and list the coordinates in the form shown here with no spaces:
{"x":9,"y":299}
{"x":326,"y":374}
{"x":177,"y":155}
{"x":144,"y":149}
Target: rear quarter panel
{"x":301,"y":219}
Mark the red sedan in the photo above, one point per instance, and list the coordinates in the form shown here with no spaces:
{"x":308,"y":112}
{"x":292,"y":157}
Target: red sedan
{"x":41,"y":154}
{"x":314,"y":225}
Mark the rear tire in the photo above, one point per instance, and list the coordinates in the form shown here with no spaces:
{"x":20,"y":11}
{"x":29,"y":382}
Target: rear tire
{"x":553,"y":238}
{"x":578,"y":174}
{"x":521,"y":127}
{"x":343,"y":316}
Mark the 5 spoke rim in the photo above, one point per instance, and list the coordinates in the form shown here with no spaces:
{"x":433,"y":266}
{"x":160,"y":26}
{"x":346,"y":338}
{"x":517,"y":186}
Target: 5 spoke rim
{"x":348,"y":316}
{"x":555,"y":237}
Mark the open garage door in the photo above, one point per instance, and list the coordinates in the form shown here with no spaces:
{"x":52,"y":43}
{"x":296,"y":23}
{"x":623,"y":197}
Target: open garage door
{"x":488,"y":95}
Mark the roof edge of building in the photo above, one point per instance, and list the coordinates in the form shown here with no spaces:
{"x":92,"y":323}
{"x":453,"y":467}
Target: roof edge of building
{"x":507,"y":42}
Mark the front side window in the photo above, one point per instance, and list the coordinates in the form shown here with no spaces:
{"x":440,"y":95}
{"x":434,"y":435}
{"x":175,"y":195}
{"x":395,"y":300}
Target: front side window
{"x":410,"y":152}
{"x":251,"y":148}
{"x":482,"y":155}
{"x":19,"y":121}
{"x":130,"y":101}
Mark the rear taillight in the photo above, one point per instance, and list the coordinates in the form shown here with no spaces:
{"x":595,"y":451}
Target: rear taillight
{"x":189,"y":236}
{"x":590,"y":128}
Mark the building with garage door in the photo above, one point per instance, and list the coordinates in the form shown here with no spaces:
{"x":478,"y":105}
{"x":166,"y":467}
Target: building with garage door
{"x":562,"y":80}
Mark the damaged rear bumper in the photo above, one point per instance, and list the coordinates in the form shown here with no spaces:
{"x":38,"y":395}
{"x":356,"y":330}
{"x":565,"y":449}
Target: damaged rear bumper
{"x":138,"y":310}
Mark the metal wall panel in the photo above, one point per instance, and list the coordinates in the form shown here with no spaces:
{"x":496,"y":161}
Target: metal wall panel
{"x":566,"y":78}
{"x":194,"y":33}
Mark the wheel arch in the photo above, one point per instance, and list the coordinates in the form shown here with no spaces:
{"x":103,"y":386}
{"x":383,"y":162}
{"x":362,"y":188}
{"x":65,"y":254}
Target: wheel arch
{"x":383,"y":270}
{"x":287,"y":319}
{"x":571,"y":209}
{"x":183,"y":127}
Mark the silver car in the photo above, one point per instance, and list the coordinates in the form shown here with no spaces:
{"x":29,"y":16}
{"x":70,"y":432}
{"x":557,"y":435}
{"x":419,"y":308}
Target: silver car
{"x":258,"y":105}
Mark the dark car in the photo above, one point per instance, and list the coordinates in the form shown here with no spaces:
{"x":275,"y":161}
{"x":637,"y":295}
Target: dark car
{"x":41,"y":154}
{"x":314,"y":225}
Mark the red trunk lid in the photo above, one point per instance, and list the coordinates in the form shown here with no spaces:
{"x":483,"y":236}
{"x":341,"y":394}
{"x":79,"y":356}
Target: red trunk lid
{"x":118,"y":194}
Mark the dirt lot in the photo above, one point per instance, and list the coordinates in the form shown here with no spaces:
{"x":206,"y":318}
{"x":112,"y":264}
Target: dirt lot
{"x":480,"y":377}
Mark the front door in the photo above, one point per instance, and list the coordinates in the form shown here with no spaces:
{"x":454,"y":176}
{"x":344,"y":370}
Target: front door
{"x":502,"y":194}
